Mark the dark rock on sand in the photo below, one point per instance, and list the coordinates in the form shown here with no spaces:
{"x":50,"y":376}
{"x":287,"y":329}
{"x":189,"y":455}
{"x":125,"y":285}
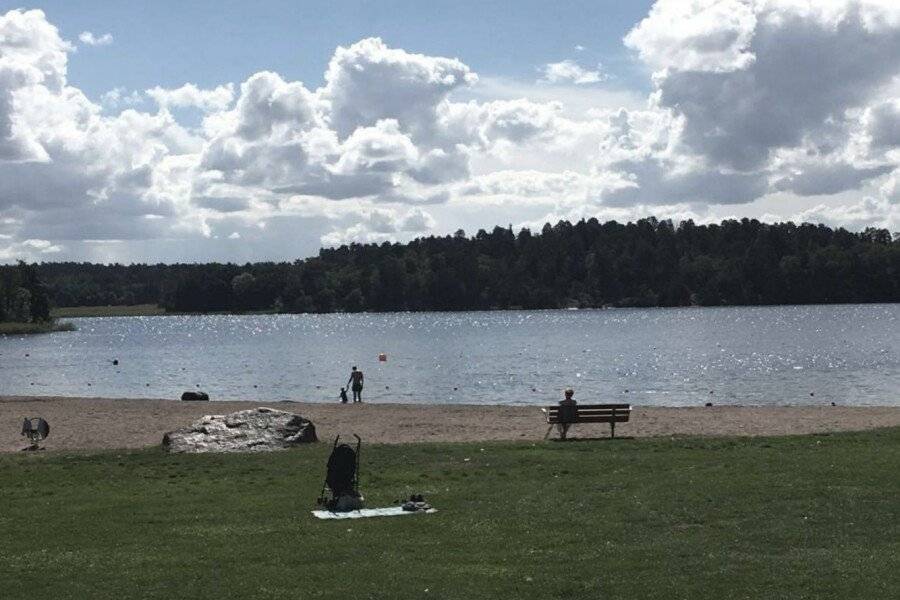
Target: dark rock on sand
{"x":195,"y":397}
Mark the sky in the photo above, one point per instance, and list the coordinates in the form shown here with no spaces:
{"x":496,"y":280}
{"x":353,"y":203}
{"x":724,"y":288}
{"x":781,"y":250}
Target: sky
{"x":234,"y":131}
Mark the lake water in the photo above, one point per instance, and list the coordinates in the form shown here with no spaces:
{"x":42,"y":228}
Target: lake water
{"x":848,"y":354}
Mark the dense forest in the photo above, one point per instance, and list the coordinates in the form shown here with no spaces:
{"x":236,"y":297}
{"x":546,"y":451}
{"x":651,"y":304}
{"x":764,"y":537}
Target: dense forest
{"x":585,"y":264}
{"x":23,"y":296}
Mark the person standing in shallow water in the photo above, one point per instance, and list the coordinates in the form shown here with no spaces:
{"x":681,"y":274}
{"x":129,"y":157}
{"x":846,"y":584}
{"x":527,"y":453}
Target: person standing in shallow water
{"x":356,"y":384}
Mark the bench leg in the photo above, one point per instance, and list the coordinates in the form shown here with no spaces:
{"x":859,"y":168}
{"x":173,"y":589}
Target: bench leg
{"x":612,"y":429}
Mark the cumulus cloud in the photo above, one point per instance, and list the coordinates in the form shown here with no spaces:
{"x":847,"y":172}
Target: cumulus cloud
{"x":568,"y":71}
{"x":381,"y":225}
{"x":749,"y":99}
{"x":883,"y":124}
{"x":751,"y":77}
{"x":868,"y":212}
{"x":189,"y":95}
{"x":31,"y":54}
{"x":119,"y":97}
{"x":89,"y":39}
{"x":369,"y":81}
{"x":32,"y":249}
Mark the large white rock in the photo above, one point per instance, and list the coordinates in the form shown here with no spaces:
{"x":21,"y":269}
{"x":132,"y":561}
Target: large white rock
{"x":256,"y":430}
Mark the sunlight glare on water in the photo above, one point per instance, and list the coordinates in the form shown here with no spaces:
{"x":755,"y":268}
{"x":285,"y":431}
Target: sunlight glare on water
{"x":848,"y":354}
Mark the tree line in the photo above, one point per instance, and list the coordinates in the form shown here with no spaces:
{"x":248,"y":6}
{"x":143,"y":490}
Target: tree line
{"x":584,"y":264}
{"x":24,"y":298}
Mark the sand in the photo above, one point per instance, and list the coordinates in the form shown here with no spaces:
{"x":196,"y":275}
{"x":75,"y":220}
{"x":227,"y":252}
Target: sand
{"x":104,"y":423}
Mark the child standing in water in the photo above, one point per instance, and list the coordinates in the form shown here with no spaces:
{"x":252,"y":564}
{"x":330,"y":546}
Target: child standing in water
{"x":344,"y":398}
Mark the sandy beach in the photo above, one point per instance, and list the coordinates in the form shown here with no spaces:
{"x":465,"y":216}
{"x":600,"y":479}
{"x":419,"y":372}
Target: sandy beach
{"x":104,"y":423}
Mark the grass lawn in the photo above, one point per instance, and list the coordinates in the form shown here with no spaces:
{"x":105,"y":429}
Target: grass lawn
{"x":800,"y":517}
{"x":137,"y":310}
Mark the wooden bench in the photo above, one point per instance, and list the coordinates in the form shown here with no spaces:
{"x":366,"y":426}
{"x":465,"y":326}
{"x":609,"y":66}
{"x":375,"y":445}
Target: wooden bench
{"x":587,"y":413}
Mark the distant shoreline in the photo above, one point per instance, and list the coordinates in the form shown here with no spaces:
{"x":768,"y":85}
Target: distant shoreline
{"x":108,"y":423}
{"x":153,"y":310}
{"x":16,"y":328}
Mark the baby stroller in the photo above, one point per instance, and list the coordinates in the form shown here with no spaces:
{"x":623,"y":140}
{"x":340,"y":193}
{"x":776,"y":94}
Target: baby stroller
{"x":342,"y":478}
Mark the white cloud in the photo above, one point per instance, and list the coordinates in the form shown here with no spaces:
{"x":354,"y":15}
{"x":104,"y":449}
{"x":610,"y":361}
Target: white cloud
{"x":381,"y":225}
{"x":189,"y":95}
{"x":31,"y":54}
{"x":751,"y":99}
{"x":883,"y":124}
{"x":120,"y":97}
{"x":696,"y":35}
{"x":868,"y":212}
{"x":568,"y":71}
{"x":751,"y":77}
{"x":30,"y":249}
{"x":42,"y":246}
{"x":368,"y":82}
{"x":89,"y":39}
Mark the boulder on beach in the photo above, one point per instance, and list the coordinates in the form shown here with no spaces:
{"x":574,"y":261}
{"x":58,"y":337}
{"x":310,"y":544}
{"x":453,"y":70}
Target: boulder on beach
{"x":195,"y":397}
{"x":256,"y":430}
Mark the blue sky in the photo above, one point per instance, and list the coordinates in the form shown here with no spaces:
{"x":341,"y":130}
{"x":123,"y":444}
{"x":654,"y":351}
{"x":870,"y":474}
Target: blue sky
{"x":235,"y":131}
{"x":169,"y":43}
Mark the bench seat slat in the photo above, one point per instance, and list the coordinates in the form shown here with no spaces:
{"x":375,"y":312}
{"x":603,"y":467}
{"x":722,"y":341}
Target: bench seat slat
{"x":622,"y":419}
{"x":589,"y":407}
{"x":592,"y":413}
{"x":608,"y":406}
{"x":597,"y":411}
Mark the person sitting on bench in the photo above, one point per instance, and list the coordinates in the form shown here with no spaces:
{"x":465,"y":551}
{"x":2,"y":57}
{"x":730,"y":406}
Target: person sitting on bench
{"x":567,"y":412}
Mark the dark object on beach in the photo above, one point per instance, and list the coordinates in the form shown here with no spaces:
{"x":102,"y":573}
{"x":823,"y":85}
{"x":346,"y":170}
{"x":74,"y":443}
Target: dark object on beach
{"x":342,"y":478}
{"x":833,"y":404}
{"x":115,"y":362}
{"x":708,"y":404}
{"x":195,"y":397}
{"x":36,"y":430}
{"x":588,"y":413}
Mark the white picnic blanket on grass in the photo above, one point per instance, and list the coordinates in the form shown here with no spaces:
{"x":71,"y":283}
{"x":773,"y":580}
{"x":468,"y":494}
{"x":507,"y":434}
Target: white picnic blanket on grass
{"x":393,"y":511}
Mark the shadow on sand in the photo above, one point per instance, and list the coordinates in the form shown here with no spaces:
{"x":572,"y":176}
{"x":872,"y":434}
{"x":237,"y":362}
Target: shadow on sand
{"x":593,"y":439}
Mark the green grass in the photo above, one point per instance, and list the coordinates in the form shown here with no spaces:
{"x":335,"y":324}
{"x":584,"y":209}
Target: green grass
{"x":137,"y":310}
{"x":15,"y":328}
{"x":801,"y":517}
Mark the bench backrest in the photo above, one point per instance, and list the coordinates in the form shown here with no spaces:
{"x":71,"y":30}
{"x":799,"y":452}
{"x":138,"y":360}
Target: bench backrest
{"x":588,"y":413}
